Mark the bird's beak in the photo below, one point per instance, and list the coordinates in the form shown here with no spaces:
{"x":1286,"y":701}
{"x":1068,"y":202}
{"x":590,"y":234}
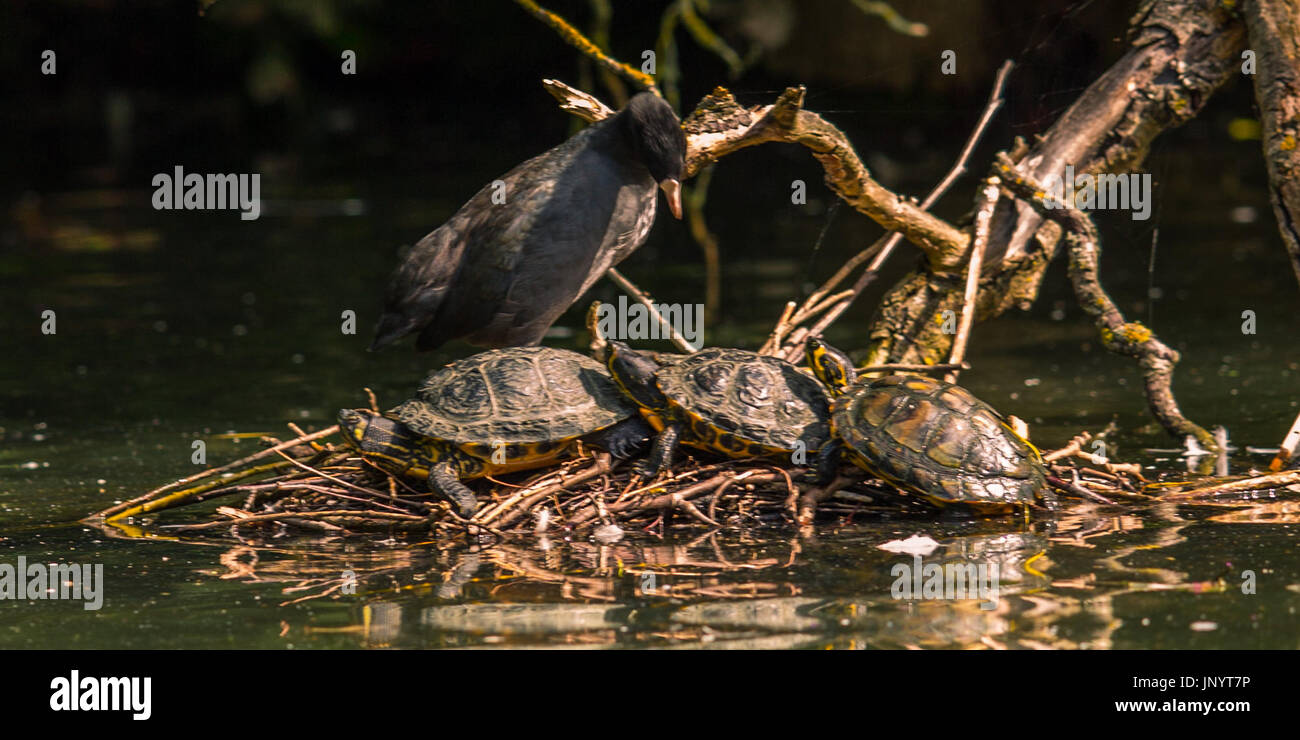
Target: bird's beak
{"x":673,"y":191}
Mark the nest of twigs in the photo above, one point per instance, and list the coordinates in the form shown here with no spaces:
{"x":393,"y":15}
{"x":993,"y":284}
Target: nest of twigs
{"x":315,"y":483}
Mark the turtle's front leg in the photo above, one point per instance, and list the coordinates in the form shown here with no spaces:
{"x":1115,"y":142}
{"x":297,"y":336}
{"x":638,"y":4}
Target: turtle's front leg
{"x":661,"y":454}
{"x":444,"y":480}
{"x":828,"y":462}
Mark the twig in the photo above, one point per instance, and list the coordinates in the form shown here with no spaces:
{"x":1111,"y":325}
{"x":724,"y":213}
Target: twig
{"x":522,"y":508}
{"x":693,"y":510}
{"x":645,"y":300}
{"x":885,"y":246}
{"x":913,"y":367}
{"x":985,"y":204}
{"x":783,"y":325}
{"x":298,"y":431}
{"x":192,"y":495}
{"x":1079,"y":491}
{"x":577,"y":40}
{"x":1156,"y":359}
{"x":309,"y":515}
{"x":581,"y":104}
{"x":117,"y":511}
{"x":1273,"y":480}
{"x":1288,"y":447}
{"x":339,"y":481}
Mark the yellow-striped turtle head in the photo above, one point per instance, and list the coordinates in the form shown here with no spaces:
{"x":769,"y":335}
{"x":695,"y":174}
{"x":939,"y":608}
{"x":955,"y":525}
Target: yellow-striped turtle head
{"x":634,"y":374}
{"x":389,"y":444}
{"x":831,"y":366}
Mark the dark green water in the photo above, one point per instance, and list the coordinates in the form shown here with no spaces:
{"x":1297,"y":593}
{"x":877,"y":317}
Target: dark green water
{"x":176,"y":327}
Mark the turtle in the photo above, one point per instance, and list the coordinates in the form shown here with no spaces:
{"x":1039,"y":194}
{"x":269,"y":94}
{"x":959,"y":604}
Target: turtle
{"x":733,"y":402}
{"x":498,"y":411}
{"x":931,"y":438}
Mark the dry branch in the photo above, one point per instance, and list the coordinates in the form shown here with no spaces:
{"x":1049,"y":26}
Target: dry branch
{"x":885,"y":246}
{"x":984,"y":205}
{"x":577,"y":40}
{"x":1256,"y":483}
{"x":1131,"y":339}
{"x":1273,"y":34}
{"x":1180,"y":52}
{"x":720,"y":126}
{"x":645,"y":300}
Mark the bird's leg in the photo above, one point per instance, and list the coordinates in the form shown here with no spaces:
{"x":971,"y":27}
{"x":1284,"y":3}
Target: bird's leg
{"x":444,"y":480}
{"x":661,"y":455}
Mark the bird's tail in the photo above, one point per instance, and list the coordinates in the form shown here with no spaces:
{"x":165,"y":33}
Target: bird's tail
{"x":392,"y":326}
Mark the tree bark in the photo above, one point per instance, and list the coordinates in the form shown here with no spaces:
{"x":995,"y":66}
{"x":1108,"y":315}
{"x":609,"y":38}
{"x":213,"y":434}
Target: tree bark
{"x":1181,"y":52}
{"x":1273,"y":33}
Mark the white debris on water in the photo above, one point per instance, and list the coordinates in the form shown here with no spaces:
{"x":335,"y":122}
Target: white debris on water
{"x":914,"y":545}
{"x":608,"y":534}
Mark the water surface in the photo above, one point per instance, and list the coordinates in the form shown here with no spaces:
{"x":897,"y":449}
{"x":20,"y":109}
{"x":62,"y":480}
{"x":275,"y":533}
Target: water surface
{"x":190,"y":326}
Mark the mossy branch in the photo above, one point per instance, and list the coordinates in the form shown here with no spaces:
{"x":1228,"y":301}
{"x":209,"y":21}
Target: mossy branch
{"x":1131,"y":339}
{"x":720,"y":126}
{"x":577,"y":40}
{"x":1180,"y":52}
{"x":1273,"y":33}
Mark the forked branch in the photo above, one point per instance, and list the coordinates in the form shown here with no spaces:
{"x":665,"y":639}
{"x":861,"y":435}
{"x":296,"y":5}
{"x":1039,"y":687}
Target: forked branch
{"x":1122,"y":337}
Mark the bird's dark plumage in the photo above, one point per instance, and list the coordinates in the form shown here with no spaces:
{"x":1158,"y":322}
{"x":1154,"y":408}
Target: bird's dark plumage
{"x":499,"y":274}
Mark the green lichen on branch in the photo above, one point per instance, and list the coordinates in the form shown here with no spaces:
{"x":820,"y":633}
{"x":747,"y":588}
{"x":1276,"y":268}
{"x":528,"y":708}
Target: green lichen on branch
{"x":577,"y":40}
{"x":1131,"y":339}
{"x":1180,"y":52}
{"x":1273,"y":30}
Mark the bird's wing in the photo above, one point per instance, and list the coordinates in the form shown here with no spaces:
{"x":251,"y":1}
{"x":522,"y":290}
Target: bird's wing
{"x":535,"y":257}
{"x":417,"y":287}
{"x":428,"y":271}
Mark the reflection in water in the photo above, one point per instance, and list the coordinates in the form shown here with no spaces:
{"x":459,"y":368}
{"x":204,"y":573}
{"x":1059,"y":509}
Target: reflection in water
{"x":1272,"y":512}
{"x":1085,"y":578}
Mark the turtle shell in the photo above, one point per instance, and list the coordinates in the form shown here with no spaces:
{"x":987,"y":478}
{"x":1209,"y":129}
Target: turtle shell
{"x":516,"y":396}
{"x":938,"y":440}
{"x":742,"y":403}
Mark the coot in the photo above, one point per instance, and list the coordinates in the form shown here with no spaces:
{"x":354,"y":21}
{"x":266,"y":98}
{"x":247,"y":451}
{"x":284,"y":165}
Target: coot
{"x":498,"y":274}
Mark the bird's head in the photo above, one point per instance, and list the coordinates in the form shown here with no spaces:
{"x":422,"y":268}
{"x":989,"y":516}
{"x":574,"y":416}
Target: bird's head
{"x":655,"y":133}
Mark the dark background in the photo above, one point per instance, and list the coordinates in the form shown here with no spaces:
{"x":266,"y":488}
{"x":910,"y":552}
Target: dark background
{"x":447,"y":97}
{"x":436,"y":80}
{"x":180,"y":326}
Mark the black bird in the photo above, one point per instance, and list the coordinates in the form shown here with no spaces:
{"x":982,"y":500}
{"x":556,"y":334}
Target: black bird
{"x":498,"y":274}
